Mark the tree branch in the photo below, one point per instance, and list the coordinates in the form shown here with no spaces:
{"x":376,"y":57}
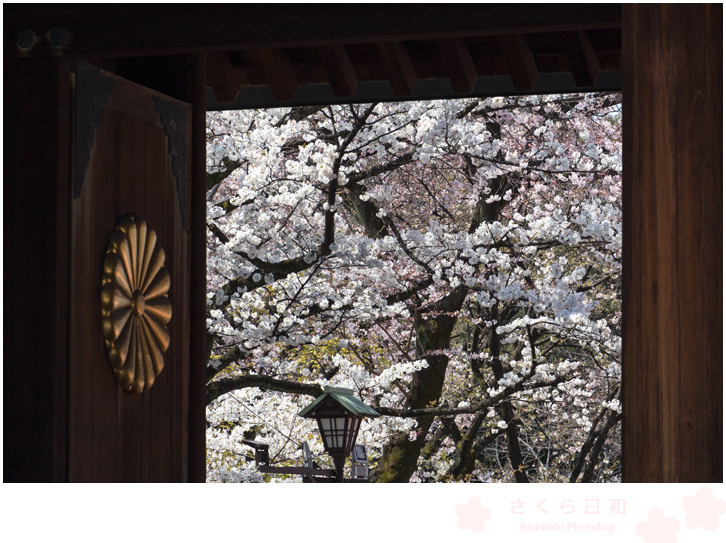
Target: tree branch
{"x":226,"y":169}
{"x":218,"y":388}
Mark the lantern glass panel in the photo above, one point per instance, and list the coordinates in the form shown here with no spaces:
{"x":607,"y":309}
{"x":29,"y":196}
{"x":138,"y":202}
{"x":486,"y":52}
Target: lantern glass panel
{"x":339,"y":433}
{"x":353,"y":433}
{"x":333,"y":430}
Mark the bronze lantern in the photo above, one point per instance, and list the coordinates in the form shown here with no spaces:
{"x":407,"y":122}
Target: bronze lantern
{"x":339,"y":414}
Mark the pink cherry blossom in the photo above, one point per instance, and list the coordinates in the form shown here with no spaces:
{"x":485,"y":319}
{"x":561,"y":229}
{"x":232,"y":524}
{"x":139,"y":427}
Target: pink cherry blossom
{"x":474,"y":244}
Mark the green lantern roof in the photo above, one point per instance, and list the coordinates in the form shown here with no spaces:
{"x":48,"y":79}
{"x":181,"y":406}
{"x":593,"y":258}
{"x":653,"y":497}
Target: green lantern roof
{"x":344,"y":397}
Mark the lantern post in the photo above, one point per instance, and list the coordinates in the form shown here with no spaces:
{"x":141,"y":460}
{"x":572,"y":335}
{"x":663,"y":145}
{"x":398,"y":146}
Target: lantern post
{"x":339,"y":414}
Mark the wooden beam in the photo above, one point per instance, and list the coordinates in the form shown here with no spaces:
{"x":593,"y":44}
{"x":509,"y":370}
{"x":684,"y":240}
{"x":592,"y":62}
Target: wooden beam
{"x":581,"y":57}
{"x":280,"y":72}
{"x":156,"y":29}
{"x":520,"y":60}
{"x":459,"y":64}
{"x":339,"y":70}
{"x":673,"y":242}
{"x":399,"y":68}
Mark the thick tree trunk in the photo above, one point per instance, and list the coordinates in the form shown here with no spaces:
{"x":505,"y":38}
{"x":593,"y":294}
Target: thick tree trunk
{"x":400,"y":457}
{"x":505,"y":410}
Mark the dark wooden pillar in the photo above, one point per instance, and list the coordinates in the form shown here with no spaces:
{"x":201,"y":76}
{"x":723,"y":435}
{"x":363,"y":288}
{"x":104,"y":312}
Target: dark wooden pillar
{"x":672,"y":197}
{"x":198,"y":296}
{"x":35,"y":242}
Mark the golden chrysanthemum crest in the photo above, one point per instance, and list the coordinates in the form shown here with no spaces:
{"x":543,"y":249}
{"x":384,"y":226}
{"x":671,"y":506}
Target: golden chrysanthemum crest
{"x":135,"y":307}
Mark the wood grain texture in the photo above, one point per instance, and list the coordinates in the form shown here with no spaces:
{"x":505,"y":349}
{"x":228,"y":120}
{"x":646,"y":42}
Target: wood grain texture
{"x":184,"y":78}
{"x":672,"y":197}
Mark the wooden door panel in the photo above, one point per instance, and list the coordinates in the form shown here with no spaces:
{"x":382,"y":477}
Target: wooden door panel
{"x":116,"y":435}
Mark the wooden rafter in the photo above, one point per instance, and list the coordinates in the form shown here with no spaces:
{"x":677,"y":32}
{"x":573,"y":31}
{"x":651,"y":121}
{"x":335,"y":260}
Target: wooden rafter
{"x":459,"y":64}
{"x":280,"y":73}
{"x":399,"y":67}
{"x":520,"y":59}
{"x":362,"y":47}
{"x":224,"y":78}
{"x":582,"y":58}
{"x":340,"y":71}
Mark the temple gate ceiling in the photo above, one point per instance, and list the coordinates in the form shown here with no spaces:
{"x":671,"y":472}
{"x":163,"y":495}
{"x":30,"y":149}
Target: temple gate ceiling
{"x":267,"y":55}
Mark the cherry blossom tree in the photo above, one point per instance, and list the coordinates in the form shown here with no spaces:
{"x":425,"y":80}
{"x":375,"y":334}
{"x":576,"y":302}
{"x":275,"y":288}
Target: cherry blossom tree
{"x":456,"y":263}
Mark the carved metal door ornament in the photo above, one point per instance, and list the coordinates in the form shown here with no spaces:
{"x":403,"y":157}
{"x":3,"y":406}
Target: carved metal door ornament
{"x":92,"y":91}
{"x":135,"y":305}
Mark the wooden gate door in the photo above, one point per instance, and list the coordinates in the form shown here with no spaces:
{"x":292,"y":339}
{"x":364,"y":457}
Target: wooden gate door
{"x":128,"y":373}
